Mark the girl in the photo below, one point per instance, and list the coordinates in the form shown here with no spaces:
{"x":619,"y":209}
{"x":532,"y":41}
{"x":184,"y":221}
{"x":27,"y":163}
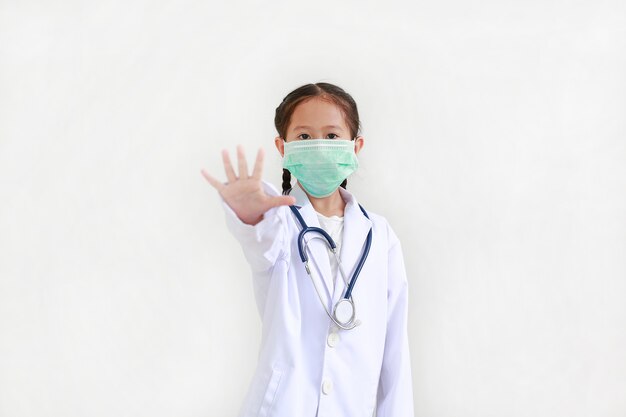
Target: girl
{"x":343,"y":351}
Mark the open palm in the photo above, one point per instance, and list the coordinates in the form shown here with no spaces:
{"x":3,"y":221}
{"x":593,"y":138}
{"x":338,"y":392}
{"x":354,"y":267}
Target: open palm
{"x":245,"y":193}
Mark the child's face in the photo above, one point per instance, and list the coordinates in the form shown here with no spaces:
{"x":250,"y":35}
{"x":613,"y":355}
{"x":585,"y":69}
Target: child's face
{"x":317,"y":119}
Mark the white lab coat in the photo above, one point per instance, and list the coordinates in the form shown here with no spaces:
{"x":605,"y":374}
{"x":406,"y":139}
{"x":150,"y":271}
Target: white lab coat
{"x":299,"y":373}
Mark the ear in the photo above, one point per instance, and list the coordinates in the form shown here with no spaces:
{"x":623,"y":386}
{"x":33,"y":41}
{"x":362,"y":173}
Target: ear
{"x":280,"y":145}
{"x":358,"y":144}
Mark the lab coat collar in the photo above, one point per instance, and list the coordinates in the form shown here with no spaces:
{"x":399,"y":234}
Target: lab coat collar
{"x":355,"y":229}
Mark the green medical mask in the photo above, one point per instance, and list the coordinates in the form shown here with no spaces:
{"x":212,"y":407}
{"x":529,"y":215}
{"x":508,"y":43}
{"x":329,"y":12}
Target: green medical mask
{"x":320,"y":165}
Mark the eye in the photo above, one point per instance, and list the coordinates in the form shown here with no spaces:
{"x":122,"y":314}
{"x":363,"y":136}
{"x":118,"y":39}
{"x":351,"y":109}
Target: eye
{"x":336,"y":136}
{"x":306,"y":134}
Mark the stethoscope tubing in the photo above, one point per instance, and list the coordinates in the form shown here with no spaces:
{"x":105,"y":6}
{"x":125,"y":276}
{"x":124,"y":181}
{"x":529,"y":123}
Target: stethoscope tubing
{"x":304,"y":257}
{"x":351,"y":323}
{"x":366,"y":251}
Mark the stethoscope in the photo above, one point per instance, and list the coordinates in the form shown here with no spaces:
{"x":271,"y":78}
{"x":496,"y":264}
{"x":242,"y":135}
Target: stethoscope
{"x":344,"y":312}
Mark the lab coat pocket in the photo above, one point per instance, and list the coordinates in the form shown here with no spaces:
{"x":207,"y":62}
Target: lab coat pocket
{"x":271,"y":390}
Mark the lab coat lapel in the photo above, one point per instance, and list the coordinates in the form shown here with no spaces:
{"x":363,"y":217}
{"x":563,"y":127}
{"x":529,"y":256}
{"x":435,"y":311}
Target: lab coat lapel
{"x":355,"y":229}
{"x":317,"y":252}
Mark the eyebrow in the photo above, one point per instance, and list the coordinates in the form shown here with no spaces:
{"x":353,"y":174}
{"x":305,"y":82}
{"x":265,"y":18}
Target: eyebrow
{"x":308,"y":127}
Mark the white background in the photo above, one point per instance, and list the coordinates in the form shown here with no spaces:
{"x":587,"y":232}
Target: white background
{"x":495,"y":146}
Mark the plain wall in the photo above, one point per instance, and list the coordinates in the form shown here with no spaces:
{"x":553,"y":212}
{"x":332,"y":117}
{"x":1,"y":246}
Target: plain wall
{"x":495,"y":146}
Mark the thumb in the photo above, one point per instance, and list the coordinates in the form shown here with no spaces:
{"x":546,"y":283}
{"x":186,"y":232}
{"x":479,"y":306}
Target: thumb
{"x":283,"y":200}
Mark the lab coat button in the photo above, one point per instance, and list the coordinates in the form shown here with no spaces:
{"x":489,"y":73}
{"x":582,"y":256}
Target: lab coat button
{"x":333,"y":338}
{"x":327,"y":386}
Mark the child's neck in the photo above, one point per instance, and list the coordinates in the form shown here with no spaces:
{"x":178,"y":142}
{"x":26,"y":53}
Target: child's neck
{"x":333,"y":205}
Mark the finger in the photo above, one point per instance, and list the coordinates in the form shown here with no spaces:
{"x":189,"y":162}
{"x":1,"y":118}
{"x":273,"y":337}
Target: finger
{"x":283,"y":200}
{"x":258,"y":165}
{"x":215,"y":183}
{"x":243,"y":164}
{"x":228,"y":167}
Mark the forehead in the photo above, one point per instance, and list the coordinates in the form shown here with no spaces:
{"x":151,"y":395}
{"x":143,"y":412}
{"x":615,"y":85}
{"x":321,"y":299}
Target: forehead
{"x":317,"y":113}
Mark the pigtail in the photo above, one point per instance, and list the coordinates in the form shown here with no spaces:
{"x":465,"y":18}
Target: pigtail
{"x":286,"y":181}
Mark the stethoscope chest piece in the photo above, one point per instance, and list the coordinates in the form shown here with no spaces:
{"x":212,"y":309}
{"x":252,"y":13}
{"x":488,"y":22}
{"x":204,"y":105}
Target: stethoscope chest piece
{"x":344,"y":311}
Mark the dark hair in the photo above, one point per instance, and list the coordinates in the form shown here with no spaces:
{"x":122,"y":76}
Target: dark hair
{"x":324,"y":91}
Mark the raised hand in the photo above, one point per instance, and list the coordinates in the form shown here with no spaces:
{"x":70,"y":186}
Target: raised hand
{"x":245,"y":193}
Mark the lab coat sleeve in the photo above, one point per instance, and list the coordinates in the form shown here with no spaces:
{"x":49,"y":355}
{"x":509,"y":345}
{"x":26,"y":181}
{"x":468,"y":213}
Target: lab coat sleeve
{"x":395,"y":388}
{"x":262,"y":243}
